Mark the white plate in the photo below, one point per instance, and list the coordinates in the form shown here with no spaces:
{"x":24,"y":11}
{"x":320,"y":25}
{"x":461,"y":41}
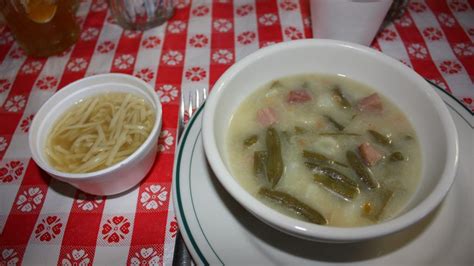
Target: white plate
{"x":217,"y":230}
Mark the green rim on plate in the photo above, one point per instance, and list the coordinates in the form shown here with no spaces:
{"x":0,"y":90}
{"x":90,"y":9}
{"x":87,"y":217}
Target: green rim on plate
{"x":178,"y":192}
{"x":179,"y":200}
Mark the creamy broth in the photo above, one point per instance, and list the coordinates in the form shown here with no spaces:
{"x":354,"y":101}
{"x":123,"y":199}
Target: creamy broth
{"x":327,"y":116}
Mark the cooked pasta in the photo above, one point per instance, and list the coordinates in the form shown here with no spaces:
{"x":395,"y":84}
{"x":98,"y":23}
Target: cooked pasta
{"x":98,"y":132}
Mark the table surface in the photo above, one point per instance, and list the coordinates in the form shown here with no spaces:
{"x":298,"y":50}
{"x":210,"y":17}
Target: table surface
{"x":44,"y":221}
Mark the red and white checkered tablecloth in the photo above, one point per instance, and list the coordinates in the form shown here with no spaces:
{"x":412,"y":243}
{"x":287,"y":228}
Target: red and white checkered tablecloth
{"x":44,"y":221}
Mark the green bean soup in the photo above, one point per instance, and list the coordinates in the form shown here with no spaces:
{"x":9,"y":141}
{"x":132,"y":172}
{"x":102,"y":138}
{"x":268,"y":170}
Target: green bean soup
{"x":324,"y":149}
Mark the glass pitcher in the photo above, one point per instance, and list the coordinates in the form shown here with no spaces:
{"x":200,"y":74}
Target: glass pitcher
{"x":42,"y":27}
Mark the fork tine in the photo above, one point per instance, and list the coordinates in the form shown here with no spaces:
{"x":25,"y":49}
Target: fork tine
{"x":204,"y":94}
{"x":190,"y":106}
{"x":182,"y":109}
{"x":181,"y":106}
{"x":181,"y":117}
{"x":197,"y":99}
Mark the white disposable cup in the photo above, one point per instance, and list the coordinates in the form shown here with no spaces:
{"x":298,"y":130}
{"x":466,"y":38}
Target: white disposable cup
{"x":348,"y":20}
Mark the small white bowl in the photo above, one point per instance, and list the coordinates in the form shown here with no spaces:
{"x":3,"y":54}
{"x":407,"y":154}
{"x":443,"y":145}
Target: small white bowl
{"x":118,"y":177}
{"x":409,"y":91}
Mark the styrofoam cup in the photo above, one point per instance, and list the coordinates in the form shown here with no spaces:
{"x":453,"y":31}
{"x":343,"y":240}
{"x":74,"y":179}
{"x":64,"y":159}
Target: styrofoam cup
{"x":348,"y":20}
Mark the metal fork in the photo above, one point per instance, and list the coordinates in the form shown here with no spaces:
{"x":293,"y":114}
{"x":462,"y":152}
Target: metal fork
{"x":195,"y":99}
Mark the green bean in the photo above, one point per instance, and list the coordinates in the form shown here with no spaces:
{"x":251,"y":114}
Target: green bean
{"x":300,"y":130}
{"x":314,"y":156}
{"x":250,"y":140}
{"x":275,"y":161}
{"x":341,"y":188}
{"x":312,"y":165}
{"x":275,"y":84}
{"x":334,"y":123}
{"x":259,"y":163}
{"x":286,"y":136}
{"x":362,"y":171}
{"x":380,"y":138}
{"x":294,"y":204}
{"x":374,"y":208}
{"x":339,"y":134}
{"x":332,"y":173}
{"x":396,"y":156}
{"x":340,"y":99}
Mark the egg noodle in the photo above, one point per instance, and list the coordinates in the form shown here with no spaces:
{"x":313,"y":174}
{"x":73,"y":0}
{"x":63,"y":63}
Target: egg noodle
{"x":98,"y":132}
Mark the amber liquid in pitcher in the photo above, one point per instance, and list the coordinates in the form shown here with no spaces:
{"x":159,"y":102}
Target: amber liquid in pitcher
{"x":42,"y":27}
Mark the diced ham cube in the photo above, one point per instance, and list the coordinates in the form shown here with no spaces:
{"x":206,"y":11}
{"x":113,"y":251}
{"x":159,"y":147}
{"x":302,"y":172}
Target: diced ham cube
{"x":369,"y":154}
{"x":371,"y":103}
{"x":267,"y":116}
{"x":299,"y":96}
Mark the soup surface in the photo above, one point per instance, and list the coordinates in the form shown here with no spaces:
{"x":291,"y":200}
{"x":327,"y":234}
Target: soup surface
{"x":324,"y":149}
{"x":98,"y":132}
